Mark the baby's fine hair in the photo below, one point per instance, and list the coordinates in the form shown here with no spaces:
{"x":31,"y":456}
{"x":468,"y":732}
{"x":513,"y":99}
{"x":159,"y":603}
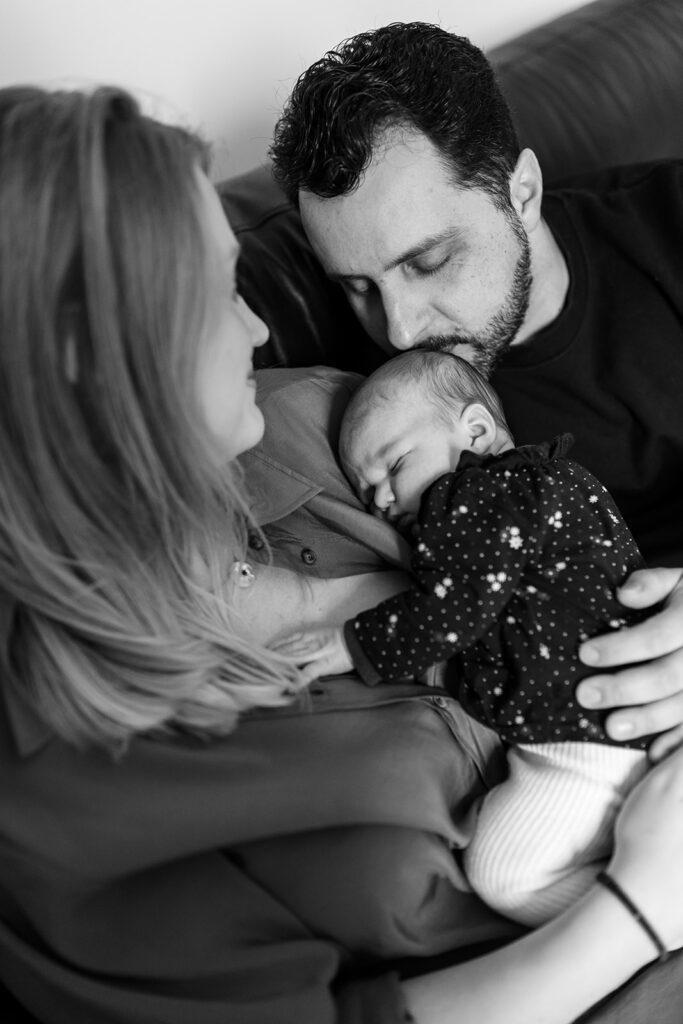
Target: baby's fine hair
{"x":447,"y":381}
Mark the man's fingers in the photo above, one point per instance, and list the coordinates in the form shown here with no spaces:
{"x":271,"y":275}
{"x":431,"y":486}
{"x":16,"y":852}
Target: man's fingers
{"x":646,"y":587}
{"x":654,"y":638}
{"x":637,"y":684}
{"x":665,"y":744}
{"x":657,"y":636}
{"x":647,"y":720}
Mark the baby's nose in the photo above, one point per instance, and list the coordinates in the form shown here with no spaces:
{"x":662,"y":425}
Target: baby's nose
{"x":383,"y":497}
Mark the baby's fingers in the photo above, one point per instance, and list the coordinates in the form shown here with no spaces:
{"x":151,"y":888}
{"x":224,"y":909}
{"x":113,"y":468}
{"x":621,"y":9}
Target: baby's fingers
{"x":298,"y":645}
{"x":312,"y":671}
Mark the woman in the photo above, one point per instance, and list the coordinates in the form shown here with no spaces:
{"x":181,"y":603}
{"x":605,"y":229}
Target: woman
{"x":148,"y":748}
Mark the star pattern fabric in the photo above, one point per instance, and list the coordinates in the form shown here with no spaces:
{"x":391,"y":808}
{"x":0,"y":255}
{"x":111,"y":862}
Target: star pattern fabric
{"x":517,"y":559}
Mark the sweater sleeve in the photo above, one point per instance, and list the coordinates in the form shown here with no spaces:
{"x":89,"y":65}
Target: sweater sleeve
{"x":474,"y":543}
{"x":123,"y":901}
{"x":250,"y":961}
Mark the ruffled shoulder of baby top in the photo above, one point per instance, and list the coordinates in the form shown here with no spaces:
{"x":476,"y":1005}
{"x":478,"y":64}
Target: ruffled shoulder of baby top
{"x":524,"y":455}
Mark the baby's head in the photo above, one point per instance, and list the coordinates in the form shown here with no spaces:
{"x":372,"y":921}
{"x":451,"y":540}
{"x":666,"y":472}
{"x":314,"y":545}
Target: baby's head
{"x":409,"y":423}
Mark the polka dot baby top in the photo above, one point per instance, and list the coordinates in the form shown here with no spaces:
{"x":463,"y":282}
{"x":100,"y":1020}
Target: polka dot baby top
{"x":516,"y":561}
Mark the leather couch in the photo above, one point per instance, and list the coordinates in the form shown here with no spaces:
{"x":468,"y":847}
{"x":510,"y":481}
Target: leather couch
{"x":600,"y":86}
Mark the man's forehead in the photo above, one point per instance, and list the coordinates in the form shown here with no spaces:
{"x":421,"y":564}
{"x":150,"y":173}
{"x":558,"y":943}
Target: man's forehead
{"x":405,"y":204}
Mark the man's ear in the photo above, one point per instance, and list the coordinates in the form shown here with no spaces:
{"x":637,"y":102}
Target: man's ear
{"x":481,"y":428}
{"x":526,"y":189}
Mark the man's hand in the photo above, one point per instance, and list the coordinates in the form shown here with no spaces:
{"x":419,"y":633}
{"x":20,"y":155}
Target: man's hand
{"x":319,"y":652}
{"x":651,"y":689}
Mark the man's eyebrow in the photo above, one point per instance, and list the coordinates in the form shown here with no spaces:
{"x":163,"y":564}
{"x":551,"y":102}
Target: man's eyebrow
{"x":419,"y":249}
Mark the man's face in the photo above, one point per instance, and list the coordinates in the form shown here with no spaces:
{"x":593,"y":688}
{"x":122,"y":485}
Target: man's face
{"x":423,"y":262}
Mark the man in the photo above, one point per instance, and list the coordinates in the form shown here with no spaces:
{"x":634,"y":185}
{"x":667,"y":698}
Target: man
{"x":400,"y":152}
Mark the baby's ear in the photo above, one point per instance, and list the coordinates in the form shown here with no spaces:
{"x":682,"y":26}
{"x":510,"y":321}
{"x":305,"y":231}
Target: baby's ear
{"x":481,"y":428}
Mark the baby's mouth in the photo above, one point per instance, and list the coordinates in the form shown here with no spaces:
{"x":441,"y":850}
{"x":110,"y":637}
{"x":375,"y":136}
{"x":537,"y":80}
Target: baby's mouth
{"x":403,"y":522}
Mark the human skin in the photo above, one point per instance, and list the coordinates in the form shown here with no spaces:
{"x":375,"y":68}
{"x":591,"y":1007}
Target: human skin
{"x":420,"y":259}
{"x":532,"y":982}
{"x":225,"y":383}
{"x":532,"y":979}
{"x":650,"y":691}
{"x":400,"y":444}
{"x":397,"y":445}
{"x":280,"y":600}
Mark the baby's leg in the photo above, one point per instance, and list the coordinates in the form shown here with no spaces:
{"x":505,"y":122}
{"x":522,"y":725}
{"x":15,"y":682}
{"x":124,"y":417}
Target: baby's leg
{"x":542,"y":834}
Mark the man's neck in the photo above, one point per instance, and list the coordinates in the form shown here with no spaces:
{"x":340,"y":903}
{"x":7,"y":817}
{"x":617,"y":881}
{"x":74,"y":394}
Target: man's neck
{"x":550,"y":283}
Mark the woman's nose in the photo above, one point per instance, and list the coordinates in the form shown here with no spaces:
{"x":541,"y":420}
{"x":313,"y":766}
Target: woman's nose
{"x":258,"y":329}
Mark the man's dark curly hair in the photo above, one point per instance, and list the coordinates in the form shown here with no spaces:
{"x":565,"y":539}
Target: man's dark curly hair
{"x":416,"y":76}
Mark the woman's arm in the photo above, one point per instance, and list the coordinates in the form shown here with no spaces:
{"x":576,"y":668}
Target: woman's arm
{"x":554,"y":974}
{"x":550,"y":976}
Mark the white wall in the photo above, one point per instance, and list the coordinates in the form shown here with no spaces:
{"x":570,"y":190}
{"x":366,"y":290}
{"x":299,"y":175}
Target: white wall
{"x":224,"y":66}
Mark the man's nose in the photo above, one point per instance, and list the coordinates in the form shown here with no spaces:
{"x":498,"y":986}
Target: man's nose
{"x":403,"y":318}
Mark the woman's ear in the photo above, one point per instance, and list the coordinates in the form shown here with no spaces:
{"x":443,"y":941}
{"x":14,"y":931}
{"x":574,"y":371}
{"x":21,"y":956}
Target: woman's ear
{"x":481,"y":428}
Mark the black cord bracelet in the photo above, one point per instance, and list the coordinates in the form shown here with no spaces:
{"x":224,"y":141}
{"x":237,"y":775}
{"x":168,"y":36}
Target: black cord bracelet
{"x":626,"y":901}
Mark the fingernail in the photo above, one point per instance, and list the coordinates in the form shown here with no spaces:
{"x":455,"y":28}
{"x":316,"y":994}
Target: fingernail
{"x":621,"y":730}
{"x":589,"y":654}
{"x":591,"y":696}
{"x":631,"y":584}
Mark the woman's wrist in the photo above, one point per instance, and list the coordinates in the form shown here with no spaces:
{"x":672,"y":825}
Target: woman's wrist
{"x":654,"y":899}
{"x":616,"y":889}
{"x":601,"y":918}
{"x":552,"y":975}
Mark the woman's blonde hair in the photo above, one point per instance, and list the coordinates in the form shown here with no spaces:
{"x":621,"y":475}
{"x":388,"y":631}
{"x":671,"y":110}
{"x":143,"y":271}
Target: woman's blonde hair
{"x":117,"y":530}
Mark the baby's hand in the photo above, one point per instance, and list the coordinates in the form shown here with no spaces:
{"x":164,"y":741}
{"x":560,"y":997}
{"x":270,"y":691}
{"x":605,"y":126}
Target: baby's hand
{"x":319,"y":652}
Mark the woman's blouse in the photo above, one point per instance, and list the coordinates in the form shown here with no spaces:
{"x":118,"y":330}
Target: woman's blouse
{"x":254,"y":879}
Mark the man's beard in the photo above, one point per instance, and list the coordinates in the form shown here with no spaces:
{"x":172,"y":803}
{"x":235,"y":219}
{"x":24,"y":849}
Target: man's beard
{"x":490,"y":344}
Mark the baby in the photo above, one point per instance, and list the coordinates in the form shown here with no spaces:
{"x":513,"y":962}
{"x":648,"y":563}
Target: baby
{"x":517,"y":553}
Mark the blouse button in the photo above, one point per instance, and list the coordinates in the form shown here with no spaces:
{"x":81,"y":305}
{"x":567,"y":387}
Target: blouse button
{"x":308,"y":556}
{"x":440,"y":702}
